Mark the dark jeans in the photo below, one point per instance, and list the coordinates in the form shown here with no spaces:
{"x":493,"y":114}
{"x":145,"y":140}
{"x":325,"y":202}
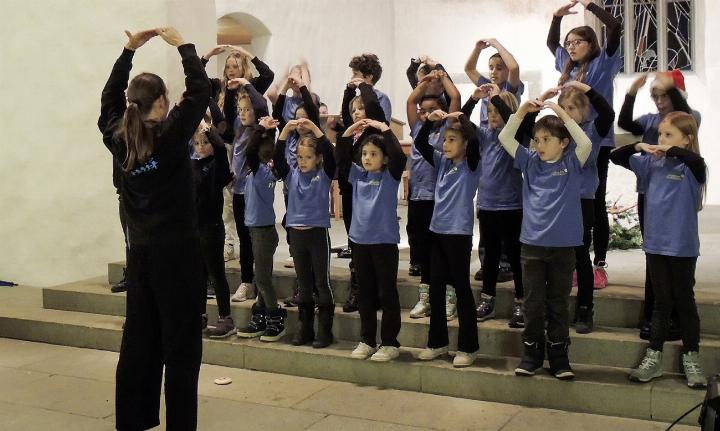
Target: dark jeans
{"x":419,"y":216}
{"x":547,"y":277}
{"x":583,"y":264}
{"x":376,"y":266}
{"x":500,"y":227}
{"x":212,"y":242}
{"x":601,"y":226}
{"x":123,"y":223}
{"x":673,"y":279}
{"x":311,"y":256}
{"x":450,"y":261}
{"x":163,"y":328}
{"x":246,"y":255}
{"x":264,"y":243}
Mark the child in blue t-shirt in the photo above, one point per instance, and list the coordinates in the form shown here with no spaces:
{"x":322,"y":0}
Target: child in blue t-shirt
{"x":308,"y":219}
{"x":674,"y":175}
{"x":375,"y":233}
{"x":582,"y":58}
{"x":551,"y":229}
{"x":577,"y":99}
{"x":452,"y":227}
{"x":367,"y":68}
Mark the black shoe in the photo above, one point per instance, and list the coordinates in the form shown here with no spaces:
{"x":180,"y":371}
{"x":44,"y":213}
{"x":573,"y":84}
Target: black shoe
{"x":294,"y":300}
{"x":121,"y":286}
{"x":584,"y":323}
{"x":505,"y":274}
{"x":345,"y":253}
{"x":559,"y":361}
{"x":257,"y":325}
{"x":305,"y":332}
{"x":324,"y":336}
{"x":517,"y":319}
{"x":479,"y":275}
{"x":275,"y":325}
{"x":351,"y":305}
{"x":414,"y":271}
{"x":645,"y":327}
{"x":674,"y":332}
{"x":532,"y":359}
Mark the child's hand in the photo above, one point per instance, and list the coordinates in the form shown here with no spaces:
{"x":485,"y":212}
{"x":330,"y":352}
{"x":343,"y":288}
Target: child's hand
{"x":492,"y":42}
{"x":291,"y":125}
{"x":664,"y":81}
{"x":491,"y":89}
{"x":577,"y":84}
{"x":437,"y":115}
{"x":656,"y":150}
{"x":550,"y":93}
{"x":268,"y":122}
{"x":531,"y":106}
{"x":306,"y":124}
{"x":556,"y":109}
{"x":638,"y":84}
{"x":295,"y":80}
{"x":379,"y":125}
{"x":481,"y":44}
{"x":234,"y":83}
{"x":480,"y":92}
{"x":454,"y":115}
{"x":565,"y":10}
{"x":215,"y":51}
{"x":170,"y":35}
{"x":138,"y":39}
{"x":361,"y":125}
{"x":430,"y":77}
{"x":241,"y":50}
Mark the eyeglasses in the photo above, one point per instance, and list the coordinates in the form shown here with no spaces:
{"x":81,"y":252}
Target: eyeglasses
{"x":574,"y":43}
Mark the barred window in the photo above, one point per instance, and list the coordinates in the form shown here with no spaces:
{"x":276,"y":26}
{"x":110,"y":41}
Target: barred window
{"x":658,"y":33}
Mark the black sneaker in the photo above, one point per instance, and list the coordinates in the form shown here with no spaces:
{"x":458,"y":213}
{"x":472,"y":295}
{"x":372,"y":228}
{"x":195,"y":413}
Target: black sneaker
{"x":517,"y":318}
{"x":344,"y":253}
{"x":121,"y":286}
{"x":274,"y":325}
{"x":505,"y":274}
{"x":257,"y":325}
{"x":559,"y":361}
{"x":532,"y":359}
{"x":479,"y":275}
{"x":584,"y":323}
{"x":486,"y":308}
{"x":414,"y":271}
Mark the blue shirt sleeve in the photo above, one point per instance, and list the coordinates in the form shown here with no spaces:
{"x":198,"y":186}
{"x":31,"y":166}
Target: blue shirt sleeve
{"x":355,"y":173}
{"x":561,"y":57}
{"x":640,"y":164}
{"x":437,"y":159}
{"x":522,"y":158}
{"x":482,"y":80}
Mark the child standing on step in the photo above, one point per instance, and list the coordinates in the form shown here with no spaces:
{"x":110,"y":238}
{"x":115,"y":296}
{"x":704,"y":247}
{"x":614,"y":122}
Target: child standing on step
{"x":268,"y":319}
{"x":308,"y":220}
{"x":452,"y":226}
{"x":674,"y":175}
{"x":551,"y":229}
{"x":375,"y":233}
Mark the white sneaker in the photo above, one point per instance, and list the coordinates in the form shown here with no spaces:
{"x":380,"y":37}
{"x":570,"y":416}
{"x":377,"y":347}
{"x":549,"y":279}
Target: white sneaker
{"x":429,"y":354}
{"x":385,"y":354}
{"x":228,"y":252}
{"x":243,"y":292}
{"x":463,"y":359}
{"x":422,"y":308}
{"x":362,"y":351}
{"x":289,"y":263}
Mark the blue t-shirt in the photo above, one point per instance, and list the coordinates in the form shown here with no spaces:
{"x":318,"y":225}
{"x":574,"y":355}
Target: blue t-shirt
{"x":454,"y":191}
{"x":308,"y":198}
{"x":374,"y":207}
{"x":505,"y":86}
{"x":422,"y":174}
{"x":671,"y":203}
{"x":500,"y":185}
{"x":239,"y":162}
{"x":259,"y":197}
{"x":551,"y":200}
{"x":600,"y":75}
{"x":590,"y":180}
{"x":384,"y":104}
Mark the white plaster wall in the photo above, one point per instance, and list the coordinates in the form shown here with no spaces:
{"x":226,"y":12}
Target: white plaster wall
{"x":59,"y":220}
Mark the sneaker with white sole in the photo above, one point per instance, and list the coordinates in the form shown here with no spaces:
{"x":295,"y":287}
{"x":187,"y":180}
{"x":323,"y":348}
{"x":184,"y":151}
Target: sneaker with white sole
{"x":428,"y":354}
{"x":385,"y":354}
{"x":693,"y":370}
{"x":486,"y":308}
{"x":650,"y":367}
{"x":464,"y":359}
{"x":229,"y":252}
{"x":422,"y":308}
{"x":289,"y":263}
{"x":363,"y":351}
{"x":243,"y":292}
{"x":224,"y":328}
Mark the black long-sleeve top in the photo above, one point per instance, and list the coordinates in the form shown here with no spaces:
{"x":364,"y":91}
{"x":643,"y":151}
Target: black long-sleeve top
{"x":612,"y":25}
{"x":261,"y":82}
{"x":472,"y":150}
{"x":158,"y":195}
{"x":605,"y":112}
{"x":230,"y":112}
{"x":345,"y":150}
{"x":211,"y":175}
{"x":411,"y":73}
{"x":312,"y":110}
{"x":693,"y":161}
{"x":373,"y":110}
{"x":626,"y":121}
{"x":326,"y":149}
{"x":522,"y":135}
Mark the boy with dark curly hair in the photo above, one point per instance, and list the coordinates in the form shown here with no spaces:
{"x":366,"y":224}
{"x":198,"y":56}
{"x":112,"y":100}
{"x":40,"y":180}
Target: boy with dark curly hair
{"x":367,"y":67}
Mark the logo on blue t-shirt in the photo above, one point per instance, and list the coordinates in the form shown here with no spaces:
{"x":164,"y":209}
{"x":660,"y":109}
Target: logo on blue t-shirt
{"x":151,"y":165}
{"x":374,"y":182}
{"x":453,"y":170}
{"x":315,"y":179}
{"x":271,"y":184}
{"x":675,"y":177}
{"x":560,"y":173}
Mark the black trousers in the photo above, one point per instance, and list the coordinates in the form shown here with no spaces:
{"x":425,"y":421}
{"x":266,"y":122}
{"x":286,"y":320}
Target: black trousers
{"x":163,"y":328}
{"x":450,"y":262}
{"x":247,"y":260}
{"x":311,"y":256}
{"x":547,"y":277}
{"x":419,"y":236}
{"x":673,"y":279}
{"x":123,"y":223}
{"x":376,"y":266}
{"x":212,"y":243}
{"x":500,"y":227}
{"x":601,"y":226}
{"x":583,"y":264}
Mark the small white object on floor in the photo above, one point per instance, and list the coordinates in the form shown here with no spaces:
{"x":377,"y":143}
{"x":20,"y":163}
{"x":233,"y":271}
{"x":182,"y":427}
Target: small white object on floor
{"x":223,"y":381}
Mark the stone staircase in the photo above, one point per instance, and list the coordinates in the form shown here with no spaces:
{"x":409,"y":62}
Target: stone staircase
{"x":87,"y":314}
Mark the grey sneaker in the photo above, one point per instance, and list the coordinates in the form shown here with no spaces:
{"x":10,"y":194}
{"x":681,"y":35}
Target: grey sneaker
{"x":649,"y":368}
{"x":224,"y":328}
{"x":486,"y":308}
{"x":693,"y":370}
{"x":450,"y":301}
{"x":422,"y":308}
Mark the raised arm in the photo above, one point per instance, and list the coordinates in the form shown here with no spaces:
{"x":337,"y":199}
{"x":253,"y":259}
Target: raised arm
{"x":411,"y":72}
{"x":112,"y":101}
{"x":553,"y":39}
{"x":605,"y":113}
{"x":311,"y":108}
{"x":373,"y":110}
{"x":625,"y":120}
{"x":583,"y":145}
{"x":348,"y":96}
{"x":510,"y":63}
{"x":692,"y":160}
{"x":422,"y":141}
{"x":396,"y":157}
{"x":471,"y":63}
{"x":451,"y":91}
{"x":343,"y":155}
{"x":413,"y":101}
{"x":472,"y":152}
{"x":621,"y":156}
{"x":613,"y":27}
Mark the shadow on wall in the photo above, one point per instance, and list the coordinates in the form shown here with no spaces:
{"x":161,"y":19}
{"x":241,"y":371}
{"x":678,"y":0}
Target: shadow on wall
{"x":242,"y":29}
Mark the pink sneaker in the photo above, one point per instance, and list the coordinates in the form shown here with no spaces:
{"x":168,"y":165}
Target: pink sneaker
{"x":600,"y":278}
{"x":574,"y":280}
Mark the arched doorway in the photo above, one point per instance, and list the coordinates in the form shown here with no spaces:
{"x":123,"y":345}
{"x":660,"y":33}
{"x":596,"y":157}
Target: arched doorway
{"x":242,"y":29}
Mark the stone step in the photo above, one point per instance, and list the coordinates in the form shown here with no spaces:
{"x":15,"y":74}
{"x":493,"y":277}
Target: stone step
{"x":606,"y":346}
{"x":616,"y":306}
{"x":599,"y":390}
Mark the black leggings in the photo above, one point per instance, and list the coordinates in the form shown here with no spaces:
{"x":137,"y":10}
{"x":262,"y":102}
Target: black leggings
{"x":419,"y":236}
{"x":583,"y":264}
{"x":247,"y":260}
{"x":212,"y":241}
{"x":498,"y":228}
{"x":311,"y":256}
{"x":601,"y":226}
